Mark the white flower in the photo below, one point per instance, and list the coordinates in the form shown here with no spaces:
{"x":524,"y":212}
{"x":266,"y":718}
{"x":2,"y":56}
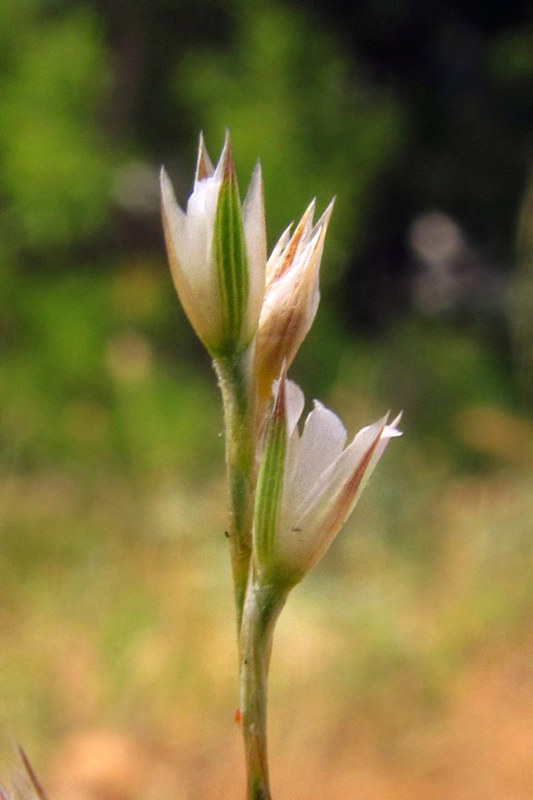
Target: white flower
{"x":217,"y":253}
{"x":291,"y":296}
{"x":308,"y":484}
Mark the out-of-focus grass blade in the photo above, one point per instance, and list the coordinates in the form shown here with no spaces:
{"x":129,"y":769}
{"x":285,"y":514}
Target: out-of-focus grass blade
{"x":36,"y":784}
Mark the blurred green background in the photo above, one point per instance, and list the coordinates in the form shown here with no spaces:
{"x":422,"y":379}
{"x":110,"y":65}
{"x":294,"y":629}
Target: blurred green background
{"x":402,"y":667}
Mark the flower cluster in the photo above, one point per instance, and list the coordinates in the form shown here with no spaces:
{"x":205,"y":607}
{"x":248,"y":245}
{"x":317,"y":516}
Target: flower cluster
{"x":239,"y":302}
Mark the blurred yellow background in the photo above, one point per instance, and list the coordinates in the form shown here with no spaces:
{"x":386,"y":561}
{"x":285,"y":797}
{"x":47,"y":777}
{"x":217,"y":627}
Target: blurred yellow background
{"x":403,"y":666}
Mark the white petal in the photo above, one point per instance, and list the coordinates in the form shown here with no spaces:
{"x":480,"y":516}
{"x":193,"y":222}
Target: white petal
{"x":176,"y":232}
{"x":288,"y":249}
{"x":314,"y":300}
{"x":202,"y":203}
{"x":323,"y":222}
{"x":255,"y":235}
{"x":312,"y":249}
{"x":175,"y":216}
{"x":295,"y":401}
{"x":204,"y":167}
{"x":279,"y":247}
{"x":322,"y":441}
{"x":201,"y":211}
{"x":225,"y":156}
{"x":293,"y":275}
{"x":294,"y":404}
{"x":304,"y":538}
{"x":191,"y":244}
{"x":322,"y":494}
{"x":389,"y":432}
{"x":307,"y":218}
{"x":293,"y":295}
{"x":356,"y":451}
{"x":392,"y":429}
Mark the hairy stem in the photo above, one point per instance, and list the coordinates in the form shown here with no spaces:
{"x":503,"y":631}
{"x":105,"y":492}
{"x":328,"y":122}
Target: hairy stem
{"x":238,"y":394}
{"x":261,"y":610}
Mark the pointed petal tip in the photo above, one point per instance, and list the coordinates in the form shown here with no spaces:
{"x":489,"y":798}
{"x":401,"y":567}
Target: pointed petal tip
{"x":377,"y":427}
{"x":326,"y":412}
{"x":323,"y":222}
{"x":391,"y":429}
{"x":204,"y":166}
{"x":286,"y":235}
{"x":226,"y":147}
{"x":387,"y":430}
{"x":172,"y":212}
{"x":257,"y":174}
{"x":309,"y":213}
{"x":167,"y":190}
{"x":300,"y":234}
{"x":256,"y":183}
{"x":225,"y":169}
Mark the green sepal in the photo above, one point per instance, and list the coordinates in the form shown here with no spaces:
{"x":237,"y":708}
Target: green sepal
{"x":270,"y":487}
{"x":231,"y":260}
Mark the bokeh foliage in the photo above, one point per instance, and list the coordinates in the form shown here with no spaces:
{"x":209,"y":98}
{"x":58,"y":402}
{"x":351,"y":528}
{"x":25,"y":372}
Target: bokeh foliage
{"x":55,"y":161}
{"x":285,"y":87}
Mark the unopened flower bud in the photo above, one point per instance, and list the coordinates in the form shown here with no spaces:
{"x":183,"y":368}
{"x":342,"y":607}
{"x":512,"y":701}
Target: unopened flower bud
{"x":217,"y":253}
{"x":291,"y":296}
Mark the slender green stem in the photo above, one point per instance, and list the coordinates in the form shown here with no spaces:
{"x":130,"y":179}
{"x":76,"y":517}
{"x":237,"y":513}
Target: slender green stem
{"x":237,"y":385}
{"x":258,"y":606}
{"x":261,"y":610}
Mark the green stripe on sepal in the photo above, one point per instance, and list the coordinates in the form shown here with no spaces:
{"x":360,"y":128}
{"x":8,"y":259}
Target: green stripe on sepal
{"x":231,"y":261}
{"x":270,"y":487}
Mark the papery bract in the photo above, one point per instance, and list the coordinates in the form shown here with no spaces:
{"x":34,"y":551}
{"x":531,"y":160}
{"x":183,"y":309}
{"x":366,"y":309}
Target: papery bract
{"x":308,"y":484}
{"x":291,"y":296}
{"x":217,"y":253}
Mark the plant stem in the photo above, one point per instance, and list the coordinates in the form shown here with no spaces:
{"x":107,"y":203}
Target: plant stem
{"x":261,"y":610}
{"x":235,"y":374}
